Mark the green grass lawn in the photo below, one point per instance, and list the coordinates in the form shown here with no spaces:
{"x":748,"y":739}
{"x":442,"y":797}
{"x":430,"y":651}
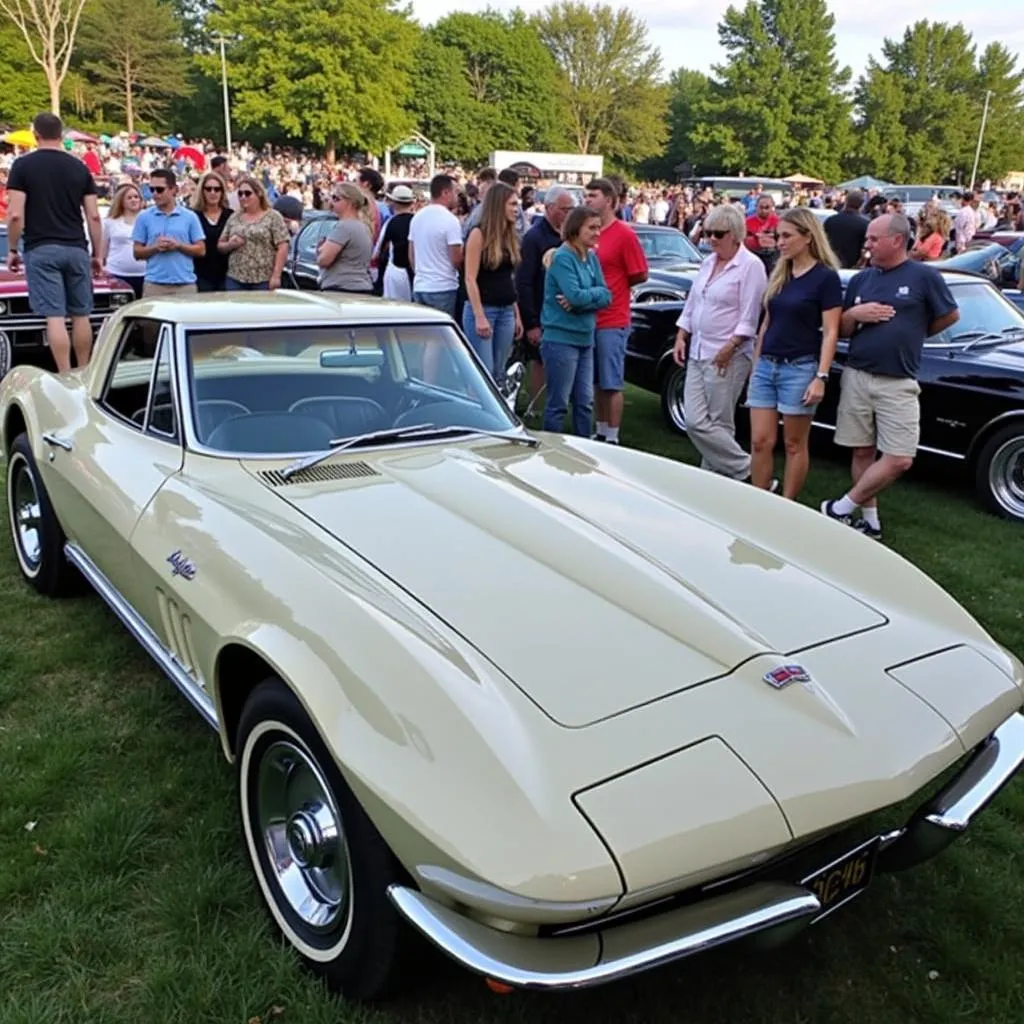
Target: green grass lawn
{"x":126,"y":896}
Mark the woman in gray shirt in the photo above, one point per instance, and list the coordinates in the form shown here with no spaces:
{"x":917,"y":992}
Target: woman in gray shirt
{"x":344,"y":255}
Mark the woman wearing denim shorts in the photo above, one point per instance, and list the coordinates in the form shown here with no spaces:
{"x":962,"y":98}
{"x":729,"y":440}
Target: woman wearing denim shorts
{"x":794,"y":351}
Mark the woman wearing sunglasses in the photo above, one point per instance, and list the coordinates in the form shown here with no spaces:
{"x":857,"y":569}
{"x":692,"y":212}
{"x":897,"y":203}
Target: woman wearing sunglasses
{"x":210,"y":204}
{"x":717,"y":326}
{"x":255,"y":240}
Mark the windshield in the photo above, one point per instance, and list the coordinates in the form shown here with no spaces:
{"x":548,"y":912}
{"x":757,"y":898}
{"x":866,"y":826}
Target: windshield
{"x":983,"y":310}
{"x":667,"y":245}
{"x":292,"y":390}
{"x":918,"y":193}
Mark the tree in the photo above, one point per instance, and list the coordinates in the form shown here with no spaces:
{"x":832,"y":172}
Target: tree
{"x":133,"y":58}
{"x":1002,"y":147}
{"x":688,"y":92}
{"x":323,"y":70}
{"x":24,"y":90}
{"x":49,"y":28}
{"x":615,"y":102}
{"x":483,"y":82}
{"x":926,"y":93}
{"x":778,"y":104}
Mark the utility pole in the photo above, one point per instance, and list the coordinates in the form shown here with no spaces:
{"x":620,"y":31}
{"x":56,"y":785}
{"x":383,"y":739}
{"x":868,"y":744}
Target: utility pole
{"x":224,"y":84}
{"x":981,"y":135}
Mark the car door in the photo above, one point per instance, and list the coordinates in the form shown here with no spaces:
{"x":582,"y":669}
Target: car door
{"x":303,"y":266}
{"x":106,"y":469}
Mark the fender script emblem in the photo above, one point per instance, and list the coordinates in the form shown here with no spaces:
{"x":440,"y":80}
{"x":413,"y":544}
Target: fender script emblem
{"x":181,"y":566}
{"x":782,"y":676}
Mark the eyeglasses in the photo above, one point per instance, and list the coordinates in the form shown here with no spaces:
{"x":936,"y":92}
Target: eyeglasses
{"x":157,"y":189}
{"x":244,"y":193}
{"x":719,"y":234}
{"x":212,"y":188}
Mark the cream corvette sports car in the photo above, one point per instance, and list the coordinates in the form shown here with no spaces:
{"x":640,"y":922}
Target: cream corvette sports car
{"x":567,"y":710}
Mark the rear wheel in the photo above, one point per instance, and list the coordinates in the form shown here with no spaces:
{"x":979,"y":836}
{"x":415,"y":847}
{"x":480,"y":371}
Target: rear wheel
{"x":322,"y":867}
{"x":673,"y":381}
{"x":999,"y":472}
{"x":35,"y":532}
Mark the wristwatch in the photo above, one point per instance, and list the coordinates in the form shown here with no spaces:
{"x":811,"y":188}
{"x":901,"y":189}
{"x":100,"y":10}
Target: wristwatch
{"x":822,"y":377}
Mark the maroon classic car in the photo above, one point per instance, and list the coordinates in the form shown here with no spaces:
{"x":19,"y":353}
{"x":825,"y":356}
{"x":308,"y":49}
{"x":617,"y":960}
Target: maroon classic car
{"x":22,"y":333}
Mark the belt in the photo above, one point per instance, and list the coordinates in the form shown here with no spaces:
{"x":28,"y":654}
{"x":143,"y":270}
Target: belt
{"x":784,"y":360}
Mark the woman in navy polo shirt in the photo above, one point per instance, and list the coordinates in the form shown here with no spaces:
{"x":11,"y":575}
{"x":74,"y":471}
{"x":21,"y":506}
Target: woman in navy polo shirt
{"x":795,"y":348}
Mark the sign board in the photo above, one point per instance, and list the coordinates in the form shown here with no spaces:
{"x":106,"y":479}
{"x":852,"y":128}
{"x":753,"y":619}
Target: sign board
{"x":564,"y":167}
{"x":411,"y":149}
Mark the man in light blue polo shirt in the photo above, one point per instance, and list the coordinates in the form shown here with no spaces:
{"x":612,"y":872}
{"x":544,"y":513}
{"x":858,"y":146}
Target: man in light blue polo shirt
{"x":168,"y":237}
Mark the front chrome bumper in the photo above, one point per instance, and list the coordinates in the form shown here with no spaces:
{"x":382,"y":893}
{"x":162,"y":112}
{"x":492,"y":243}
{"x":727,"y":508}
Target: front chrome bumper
{"x":592,"y":958}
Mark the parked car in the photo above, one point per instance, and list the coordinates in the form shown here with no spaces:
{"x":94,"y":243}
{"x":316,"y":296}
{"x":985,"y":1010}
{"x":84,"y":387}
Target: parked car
{"x":315,"y":515}
{"x":972,"y":380}
{"x":988,"y":259}
{"x":666,"y":247}
{"x":301,"y":270}
{"x":22,"y":333}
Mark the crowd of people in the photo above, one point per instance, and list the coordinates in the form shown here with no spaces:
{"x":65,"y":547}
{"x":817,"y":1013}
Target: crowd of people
{"x":764,"y":313}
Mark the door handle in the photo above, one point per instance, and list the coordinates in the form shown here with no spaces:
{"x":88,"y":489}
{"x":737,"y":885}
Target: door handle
{"x":57,"y":442}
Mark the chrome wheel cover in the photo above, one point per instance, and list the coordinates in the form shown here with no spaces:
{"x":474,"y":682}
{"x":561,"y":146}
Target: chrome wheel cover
{"x":1006,"y":477}
{"x":298,"y":822}
{"x":26,"y":514}
{"x":674,"y":389}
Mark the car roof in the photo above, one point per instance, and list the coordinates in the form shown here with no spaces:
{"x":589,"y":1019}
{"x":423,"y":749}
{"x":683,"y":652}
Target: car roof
{"x":262,"y":309}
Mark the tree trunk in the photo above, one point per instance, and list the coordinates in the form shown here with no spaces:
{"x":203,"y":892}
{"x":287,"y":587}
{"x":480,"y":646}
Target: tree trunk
{"x":329,"y":150}
{"x":129,"y":104}
{"x":53,"y":80}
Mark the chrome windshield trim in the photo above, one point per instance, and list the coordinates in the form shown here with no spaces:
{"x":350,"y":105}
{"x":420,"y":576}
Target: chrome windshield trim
{"x":921,"y":447}
{"x":581,"y":961}
{"x":139,"y":629}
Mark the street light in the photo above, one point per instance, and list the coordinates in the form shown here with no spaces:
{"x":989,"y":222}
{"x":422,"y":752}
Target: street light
{"x":224,"y":84}
{"x":981,"y":135}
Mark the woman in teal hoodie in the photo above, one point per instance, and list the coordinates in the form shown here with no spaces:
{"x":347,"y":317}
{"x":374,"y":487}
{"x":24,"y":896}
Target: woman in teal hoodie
{"x":574,"y":290}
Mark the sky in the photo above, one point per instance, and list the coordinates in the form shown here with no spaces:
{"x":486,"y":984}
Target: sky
{"x":686,"y":30}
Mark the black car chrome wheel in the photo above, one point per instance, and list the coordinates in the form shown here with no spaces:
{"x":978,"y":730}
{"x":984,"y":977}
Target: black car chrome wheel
{"x":322,"y":867}
{"x":1000,"y":472}
{"x":672,"y":407}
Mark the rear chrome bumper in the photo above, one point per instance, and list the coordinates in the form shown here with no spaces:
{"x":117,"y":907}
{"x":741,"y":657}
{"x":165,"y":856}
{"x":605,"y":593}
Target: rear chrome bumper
{"x":592,"y":958}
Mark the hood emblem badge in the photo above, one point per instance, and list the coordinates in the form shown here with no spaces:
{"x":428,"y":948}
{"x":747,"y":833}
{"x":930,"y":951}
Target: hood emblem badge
{"x":782,"y":676}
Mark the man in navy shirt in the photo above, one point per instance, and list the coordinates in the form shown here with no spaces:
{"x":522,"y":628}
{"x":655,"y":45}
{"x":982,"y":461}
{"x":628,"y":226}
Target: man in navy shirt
{"x":890,"y":309}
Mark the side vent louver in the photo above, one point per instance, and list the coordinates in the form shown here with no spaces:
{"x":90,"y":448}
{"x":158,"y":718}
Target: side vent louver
{"x":318,"y":474}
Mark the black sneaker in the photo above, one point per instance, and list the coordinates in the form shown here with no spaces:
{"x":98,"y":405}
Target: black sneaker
{"x":598,"y":437}
{"x":826,"y":510}
{"x":863,"y":526}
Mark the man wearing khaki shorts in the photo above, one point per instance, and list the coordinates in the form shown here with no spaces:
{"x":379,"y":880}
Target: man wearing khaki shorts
{"x":890,"y":308}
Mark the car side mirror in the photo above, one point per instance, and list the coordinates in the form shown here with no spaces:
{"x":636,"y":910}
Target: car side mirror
{"x":514,"y":377}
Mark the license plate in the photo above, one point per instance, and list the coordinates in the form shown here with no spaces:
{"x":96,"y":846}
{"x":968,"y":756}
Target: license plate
{"x":842,"y":880}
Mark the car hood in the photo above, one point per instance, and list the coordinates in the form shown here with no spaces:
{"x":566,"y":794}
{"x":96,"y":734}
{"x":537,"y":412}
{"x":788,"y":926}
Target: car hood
{"x":562,"y":572}
{"x":16,"y":284}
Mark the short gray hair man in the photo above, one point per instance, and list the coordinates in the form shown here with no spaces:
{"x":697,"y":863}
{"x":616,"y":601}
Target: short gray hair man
{"x":900,"y":225}
{"x":556,"y":192}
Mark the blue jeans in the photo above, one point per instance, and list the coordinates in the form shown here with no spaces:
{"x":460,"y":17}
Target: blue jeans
{"x":781,"y":383}
{"x":232,"y":285}
{"x":493,"y":351}
{"x":610,"y":345}
{"x":444,"y":301}
{"x":569,"y":371}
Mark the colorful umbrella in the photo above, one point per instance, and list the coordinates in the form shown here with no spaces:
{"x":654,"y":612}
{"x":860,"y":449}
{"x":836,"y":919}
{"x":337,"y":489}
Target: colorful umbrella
{"x":173,"y":142}
{"x":193,"y":154}
{"x":20,"y":137}
{"x":76,"y":136}
{"x":153,"y":141}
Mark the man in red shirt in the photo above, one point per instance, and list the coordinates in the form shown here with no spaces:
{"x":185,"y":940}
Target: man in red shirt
{"x":624,"y":264}
{"x":91,"y":159}
{"x":761,"y":229}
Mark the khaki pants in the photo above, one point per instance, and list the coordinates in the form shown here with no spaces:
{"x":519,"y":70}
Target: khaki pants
{"x":710,"y":399}
{"x":151,"y":290}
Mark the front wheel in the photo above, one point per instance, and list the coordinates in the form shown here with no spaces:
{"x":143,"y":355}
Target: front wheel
{"x":322,"y":867}
{"x":673,"y":381}
{"x":35,"y":532}
{"x":999,"y":473}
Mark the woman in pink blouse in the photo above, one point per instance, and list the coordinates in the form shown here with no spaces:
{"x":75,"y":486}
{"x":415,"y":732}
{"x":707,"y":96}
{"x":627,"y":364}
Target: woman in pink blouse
{"x":717,"y":326}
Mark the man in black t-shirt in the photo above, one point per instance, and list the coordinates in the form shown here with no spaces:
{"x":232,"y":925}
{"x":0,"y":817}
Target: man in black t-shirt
{"x":48,"y":189}
{"x":846,"y":230}
{"x":890,"y":309}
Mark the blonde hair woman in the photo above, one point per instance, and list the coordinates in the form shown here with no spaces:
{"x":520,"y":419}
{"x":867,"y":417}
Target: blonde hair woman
{"x":933,"y":235}
{"x":255,"y":240}
{"x":490,"y":317}
{"x":118,"y":253}
{"x":210,"y":205}
{"x":344,"y":255}
{"x":795,"y":348}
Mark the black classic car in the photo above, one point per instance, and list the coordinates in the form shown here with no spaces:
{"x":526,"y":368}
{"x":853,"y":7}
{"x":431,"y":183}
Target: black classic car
{"x":972,"y":379}
{"x":301,"y":270}
{"x":666,"y":247}
{"x":999,"y":263}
